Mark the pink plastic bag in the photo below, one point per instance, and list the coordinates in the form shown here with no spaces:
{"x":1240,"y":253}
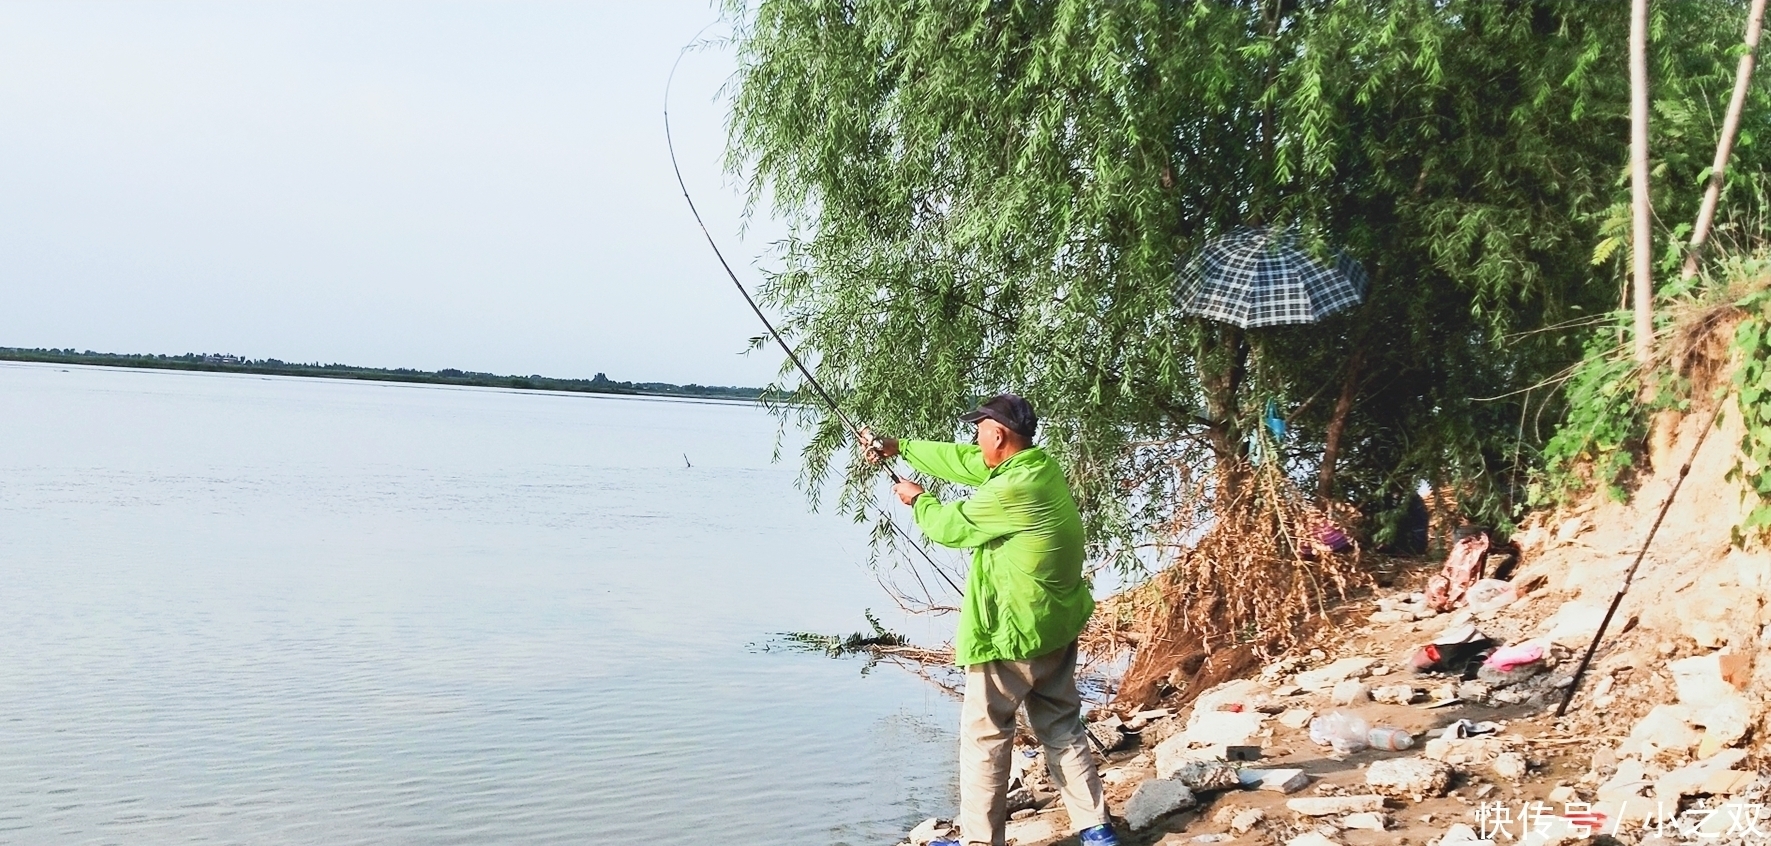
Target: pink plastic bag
{"x":1509,"y":658}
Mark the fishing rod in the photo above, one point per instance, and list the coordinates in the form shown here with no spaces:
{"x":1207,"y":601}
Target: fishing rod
{"x":864,"y":436}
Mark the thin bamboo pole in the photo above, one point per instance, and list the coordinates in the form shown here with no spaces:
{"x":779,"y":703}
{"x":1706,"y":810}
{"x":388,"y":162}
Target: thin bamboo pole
{"x":1641,"y":244}
{"x":1706,"y":216}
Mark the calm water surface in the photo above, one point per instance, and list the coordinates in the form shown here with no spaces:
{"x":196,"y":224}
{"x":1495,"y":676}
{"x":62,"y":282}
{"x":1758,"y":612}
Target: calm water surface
{"x":267,"y":611}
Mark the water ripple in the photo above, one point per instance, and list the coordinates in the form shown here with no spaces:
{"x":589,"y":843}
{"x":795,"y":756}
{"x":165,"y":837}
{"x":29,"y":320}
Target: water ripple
{"x":283,"y":612}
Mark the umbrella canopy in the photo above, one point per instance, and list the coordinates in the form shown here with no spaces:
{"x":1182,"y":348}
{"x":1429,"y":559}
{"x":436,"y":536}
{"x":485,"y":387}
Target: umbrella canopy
{"x":1260,"y":277}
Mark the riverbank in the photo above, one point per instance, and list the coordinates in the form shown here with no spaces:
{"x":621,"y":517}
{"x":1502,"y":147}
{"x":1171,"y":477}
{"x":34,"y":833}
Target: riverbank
{"x":210,"y":363}
{"x":1664,"y":742}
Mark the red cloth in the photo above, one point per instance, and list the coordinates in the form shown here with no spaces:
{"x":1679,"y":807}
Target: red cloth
{"x":1462,"y":568}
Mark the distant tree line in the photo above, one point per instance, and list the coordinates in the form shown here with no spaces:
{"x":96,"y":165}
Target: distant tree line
{"x":598,"y":384}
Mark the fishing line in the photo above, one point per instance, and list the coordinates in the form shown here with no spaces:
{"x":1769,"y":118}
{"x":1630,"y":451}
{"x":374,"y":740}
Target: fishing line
{"x":861,"y":435}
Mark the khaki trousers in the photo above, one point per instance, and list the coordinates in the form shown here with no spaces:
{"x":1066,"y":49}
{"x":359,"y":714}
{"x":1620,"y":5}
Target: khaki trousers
{"x":993,"y":692}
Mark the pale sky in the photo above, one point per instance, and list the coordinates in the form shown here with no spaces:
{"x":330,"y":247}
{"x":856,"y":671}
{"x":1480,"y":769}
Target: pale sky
{"x":481,"y":185}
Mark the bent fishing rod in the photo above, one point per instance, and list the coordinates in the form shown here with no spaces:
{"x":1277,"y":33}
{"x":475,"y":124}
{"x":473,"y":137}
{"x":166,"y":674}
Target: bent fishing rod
{"x":862,"y":435}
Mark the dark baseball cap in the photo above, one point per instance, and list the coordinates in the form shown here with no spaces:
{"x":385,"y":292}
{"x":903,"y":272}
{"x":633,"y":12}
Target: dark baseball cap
{"x":1009,"y":410}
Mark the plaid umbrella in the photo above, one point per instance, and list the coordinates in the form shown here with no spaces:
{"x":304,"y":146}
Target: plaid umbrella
{"x":1260,"y":277}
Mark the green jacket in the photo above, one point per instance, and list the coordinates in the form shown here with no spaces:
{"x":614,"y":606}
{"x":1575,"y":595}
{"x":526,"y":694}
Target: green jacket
{"x":1025,"y":595}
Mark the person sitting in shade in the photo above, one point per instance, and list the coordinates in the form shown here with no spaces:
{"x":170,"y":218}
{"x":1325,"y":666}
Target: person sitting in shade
{"x":1025,"y":603}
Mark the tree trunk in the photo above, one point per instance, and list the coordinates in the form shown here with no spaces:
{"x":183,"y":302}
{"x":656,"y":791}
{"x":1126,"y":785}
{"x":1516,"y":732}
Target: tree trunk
{"x":1641,"y":243}
{"x":1706,"y":215}
{"x":1337,"y":425}
{"x":1222,"y":393}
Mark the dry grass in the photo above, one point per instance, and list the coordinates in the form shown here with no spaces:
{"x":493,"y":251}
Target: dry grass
{"x":1255,"y":583}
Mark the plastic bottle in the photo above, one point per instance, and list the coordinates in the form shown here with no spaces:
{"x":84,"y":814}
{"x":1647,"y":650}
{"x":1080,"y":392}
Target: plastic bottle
{"x":1394,"y":739}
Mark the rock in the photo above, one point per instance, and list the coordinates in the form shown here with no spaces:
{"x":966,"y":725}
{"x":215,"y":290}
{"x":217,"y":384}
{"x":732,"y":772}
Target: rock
{"x":1474,"y":691}
{"x":1390,"y":617}
{"x":1460,"y":833}
{"x":1203,"y":776}
{"x":1709,"y":698}
{"x":1464,"y":750}
{"x":1662,"y":728}
{"x":1246,"y":819}
{"x":1223,"y":812}
{"x":1394,"y":694}
{"x":1709,"y":634}
{"x":1154,"y":799}
{"x":1296,"y":718}
{"x":1731,"y":817}
{"x":1416,"y":778}
{"x":1334,"y":806}
{"x":1288,"y":780}
{"x":1281,"y":667}
{"x":1335,"y":673}
{"x":1106,"y":735}
{"x":1516,"y":676}
{"x":1310,"y":838}
{"x":1699,"y":679}
{"x":1366,"y":821}
{"x":1691,"y":778}
{"x":1725,"y":722}
{"x":1215,"y":837}
{"x":1020,"y":799}
{"x":1350,"y":692}
{"x":1246,"y":694}
{"x":1737,"y":667}
{"x":1207,"y":729}
{"x":1226,"y":752}
{"x":1727,"y":782}
{"x":1035,"y":829}
{"x":1023,"y":813}
{"x":1159,"y":730}
{"x":1575,"y":622}
{"x":1552,"y":830}
{"x":930,"y":829}
{"x":1288,"y":690}
{"x":1510,"y":766}
{"x":1562,"y":795}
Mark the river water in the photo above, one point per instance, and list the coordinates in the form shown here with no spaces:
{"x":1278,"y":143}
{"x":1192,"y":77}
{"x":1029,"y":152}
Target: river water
{"x":296,"y":611}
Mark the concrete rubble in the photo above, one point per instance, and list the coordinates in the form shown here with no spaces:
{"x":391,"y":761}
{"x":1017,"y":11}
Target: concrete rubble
{"x":1334,"y":806}
{"x":1203,"y":776}
{"x":1245,"y":820}
{"x":1415,"y":778}
{"x":1155,"y":799}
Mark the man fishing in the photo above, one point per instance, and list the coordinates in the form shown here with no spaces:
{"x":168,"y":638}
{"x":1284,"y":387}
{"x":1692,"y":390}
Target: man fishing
{"x":1025,"y":604}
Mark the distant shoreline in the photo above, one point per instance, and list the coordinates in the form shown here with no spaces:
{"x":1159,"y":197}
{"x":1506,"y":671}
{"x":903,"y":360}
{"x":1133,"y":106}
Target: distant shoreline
{"x":448,"y":376}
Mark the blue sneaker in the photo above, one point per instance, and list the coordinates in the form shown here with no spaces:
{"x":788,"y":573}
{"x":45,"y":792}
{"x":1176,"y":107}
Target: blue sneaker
{"x":1100,"y":835}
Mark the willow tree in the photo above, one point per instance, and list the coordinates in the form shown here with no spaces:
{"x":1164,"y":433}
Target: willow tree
{"x":992,"y":196}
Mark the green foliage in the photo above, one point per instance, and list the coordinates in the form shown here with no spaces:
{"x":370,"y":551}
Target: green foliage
{"x":1752,"y":384}
{"x":993,"y":196}
{"x":1602,"y":434}
{"x":837,"y":646}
